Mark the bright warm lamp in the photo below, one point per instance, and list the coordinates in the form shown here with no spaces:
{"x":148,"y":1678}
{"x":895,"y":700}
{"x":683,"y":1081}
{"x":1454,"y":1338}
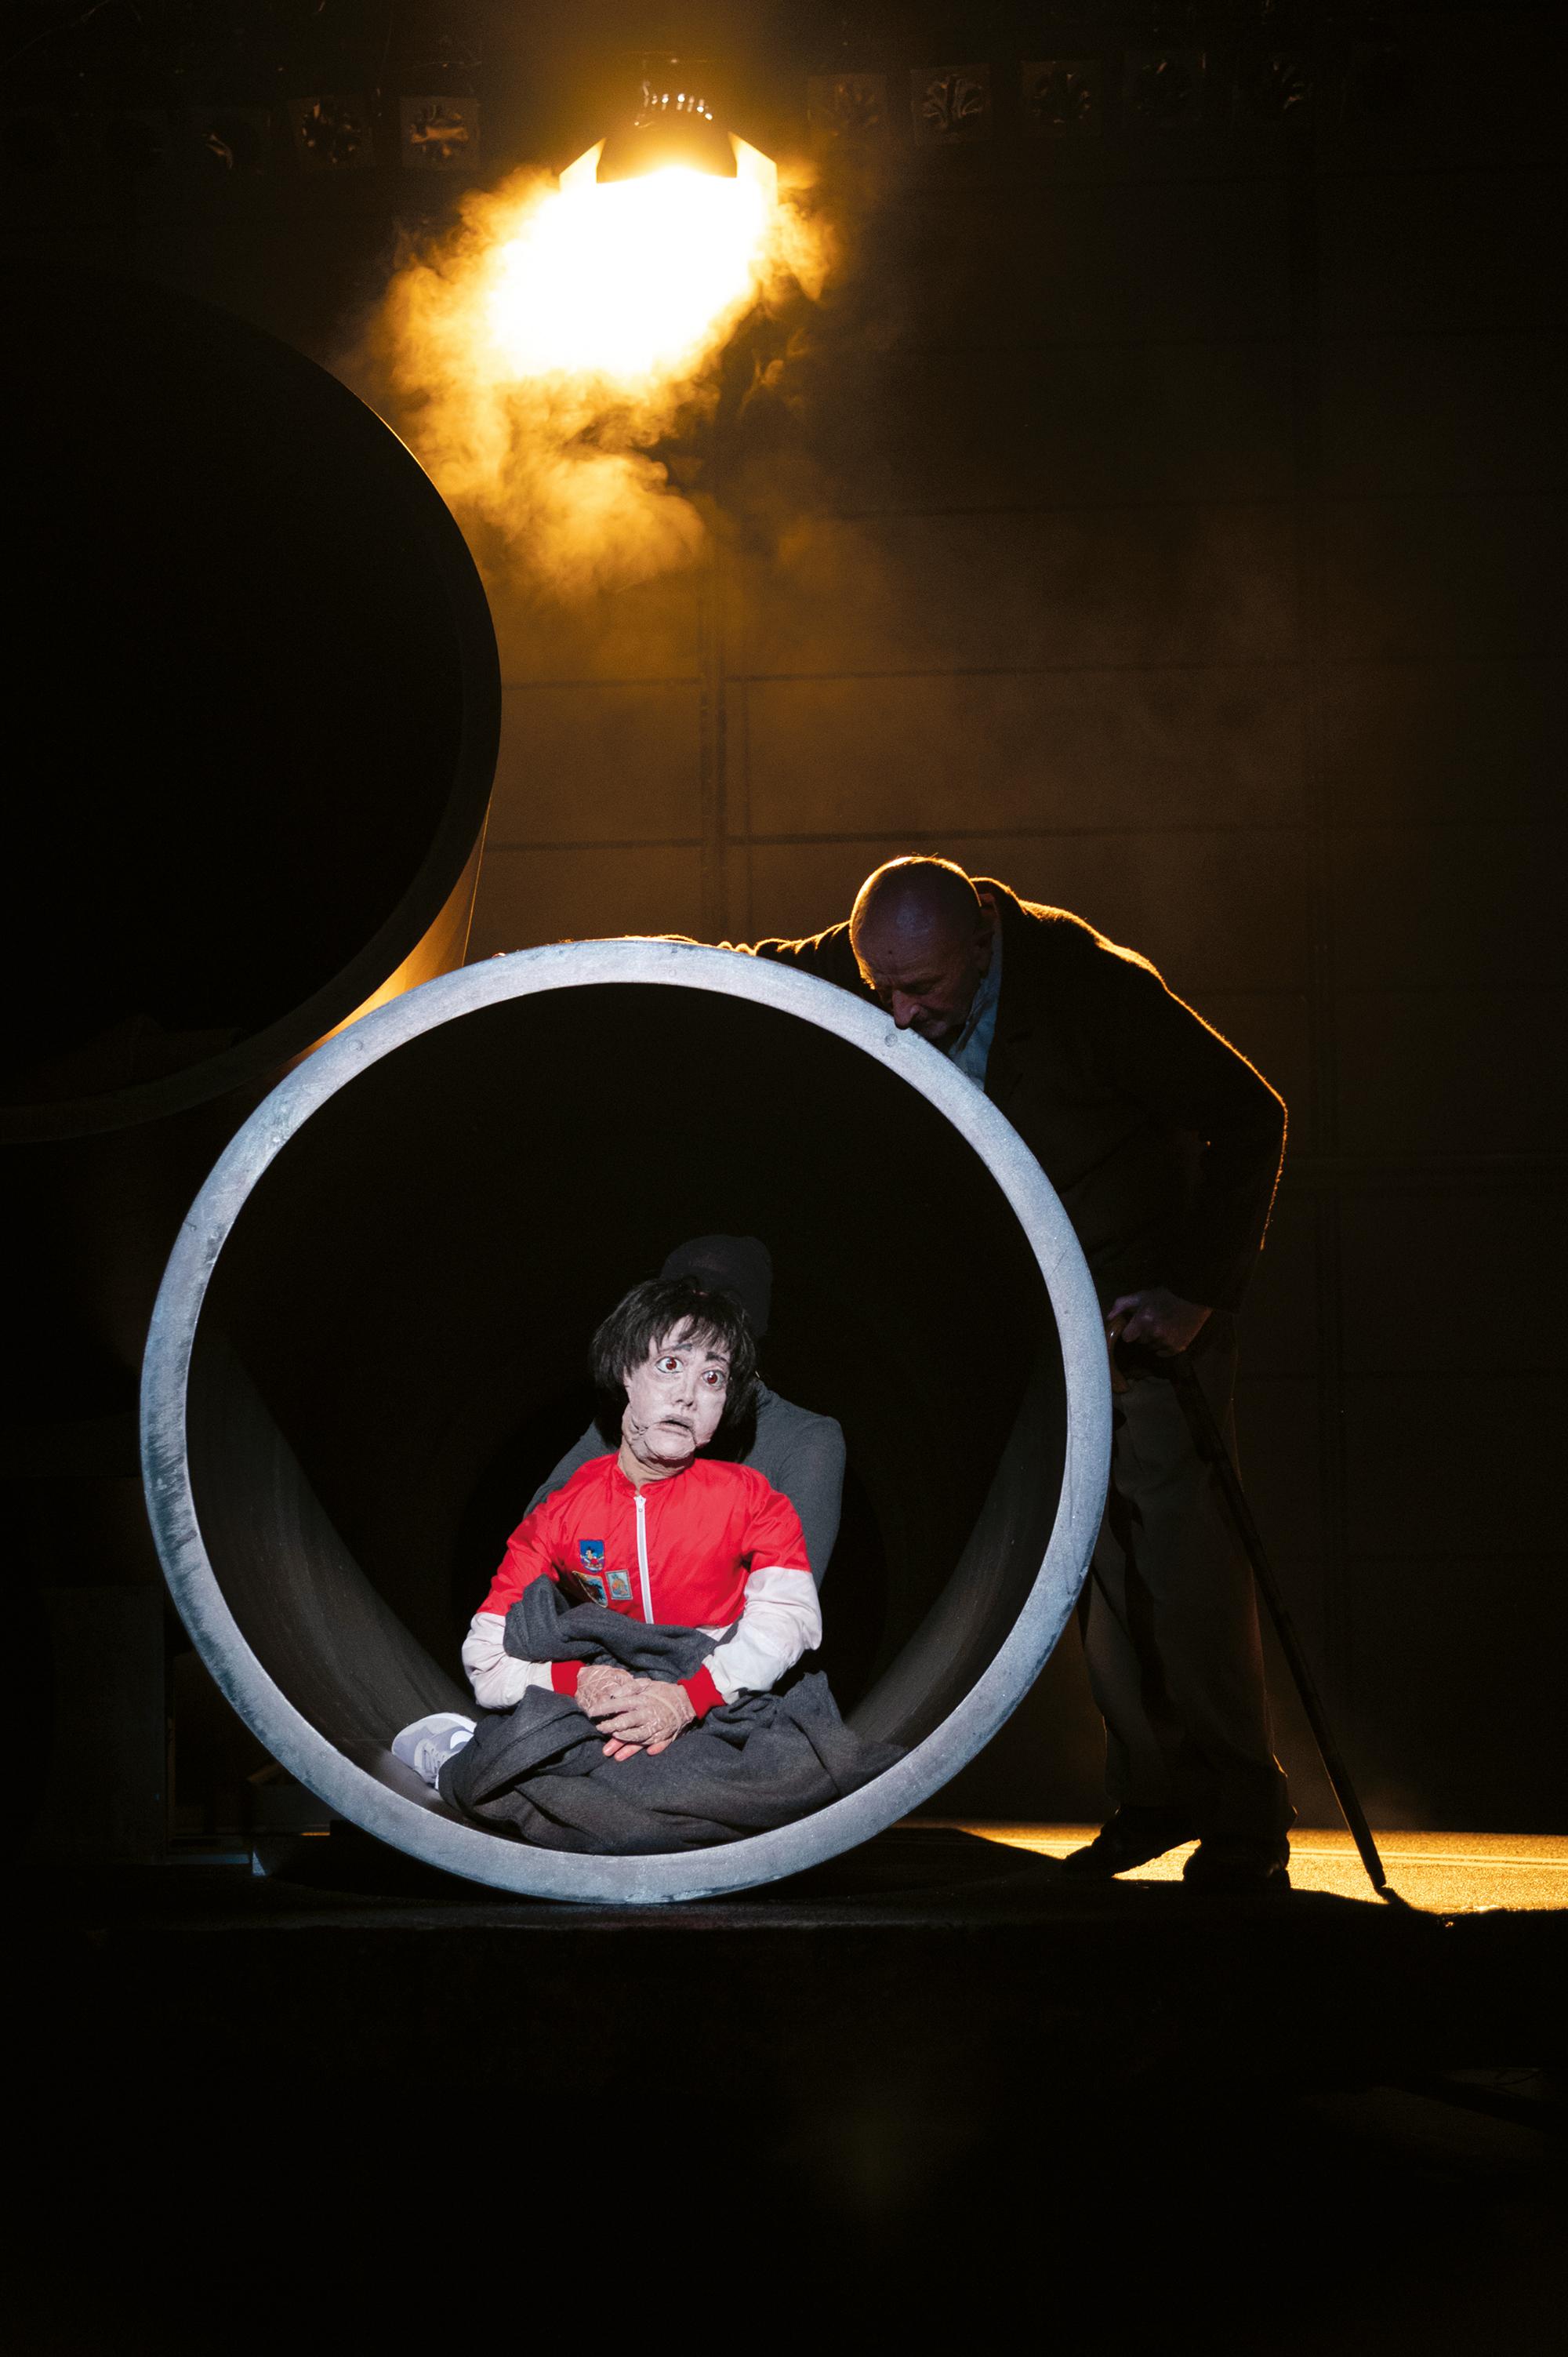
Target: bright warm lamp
{"x":626,"y":279}
{"x":674,"y":127}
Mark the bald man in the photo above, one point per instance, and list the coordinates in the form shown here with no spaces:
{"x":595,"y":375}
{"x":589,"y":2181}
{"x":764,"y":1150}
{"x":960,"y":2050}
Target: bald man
{"x":1164,"y":1147}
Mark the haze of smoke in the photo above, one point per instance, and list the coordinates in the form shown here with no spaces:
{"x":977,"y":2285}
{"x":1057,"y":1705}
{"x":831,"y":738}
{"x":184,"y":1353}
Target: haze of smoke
{"x":553,"y":476}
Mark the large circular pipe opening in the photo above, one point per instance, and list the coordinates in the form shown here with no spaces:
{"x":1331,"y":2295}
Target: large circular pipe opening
{"x":369,"y":1344}
{"x":257,"y":703}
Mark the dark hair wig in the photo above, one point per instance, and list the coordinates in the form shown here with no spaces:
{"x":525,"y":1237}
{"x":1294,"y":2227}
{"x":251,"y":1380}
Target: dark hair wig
{"x":661,"y":1307}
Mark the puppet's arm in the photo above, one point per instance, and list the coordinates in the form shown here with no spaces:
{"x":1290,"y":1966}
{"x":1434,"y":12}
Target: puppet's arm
{"x":498,"y":1679}
{"x":780,"y":1620}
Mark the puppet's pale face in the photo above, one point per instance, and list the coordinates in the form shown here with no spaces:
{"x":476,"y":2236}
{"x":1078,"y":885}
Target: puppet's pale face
{"x":675,"y":1399}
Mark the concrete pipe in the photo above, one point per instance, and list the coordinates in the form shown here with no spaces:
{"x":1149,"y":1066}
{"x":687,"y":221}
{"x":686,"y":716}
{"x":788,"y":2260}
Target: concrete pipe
{"x":251,"y":753}
{"x":364,"y":1356}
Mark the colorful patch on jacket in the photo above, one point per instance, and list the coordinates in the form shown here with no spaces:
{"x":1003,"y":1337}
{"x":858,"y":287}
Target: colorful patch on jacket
{"x":620,"y":1586}
{"x":596,"y":1586}
{"x":592,"y":1554}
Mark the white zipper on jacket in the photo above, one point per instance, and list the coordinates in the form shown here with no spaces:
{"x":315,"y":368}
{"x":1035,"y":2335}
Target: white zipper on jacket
{"x":641,"y":1503}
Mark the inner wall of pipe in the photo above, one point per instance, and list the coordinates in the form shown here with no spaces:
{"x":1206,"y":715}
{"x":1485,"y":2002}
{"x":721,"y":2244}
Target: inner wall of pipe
{"x":392,"y":1350}
{"x":241,"y":688}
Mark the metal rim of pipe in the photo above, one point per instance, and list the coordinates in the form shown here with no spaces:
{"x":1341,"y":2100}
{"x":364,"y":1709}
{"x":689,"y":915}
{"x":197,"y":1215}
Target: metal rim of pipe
{"x":469,"y":1851}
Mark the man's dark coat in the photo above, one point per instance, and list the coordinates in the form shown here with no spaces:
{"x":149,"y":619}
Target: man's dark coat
{"x":1161,"y":1141}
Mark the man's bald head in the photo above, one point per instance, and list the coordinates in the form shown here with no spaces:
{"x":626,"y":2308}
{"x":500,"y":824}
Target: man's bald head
{"x":915,"y":895}
{"x":921,"y":937}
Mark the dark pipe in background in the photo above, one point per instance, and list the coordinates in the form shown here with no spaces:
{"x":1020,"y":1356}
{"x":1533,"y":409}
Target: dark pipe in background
{"x":252,"y":749}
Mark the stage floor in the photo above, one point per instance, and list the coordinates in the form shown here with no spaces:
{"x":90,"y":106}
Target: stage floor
{"x":1447,"y":1874}
{"x":937,"y":2071}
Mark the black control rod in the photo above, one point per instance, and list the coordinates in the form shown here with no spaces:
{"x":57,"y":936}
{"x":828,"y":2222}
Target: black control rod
{"x":1212,"y":1446}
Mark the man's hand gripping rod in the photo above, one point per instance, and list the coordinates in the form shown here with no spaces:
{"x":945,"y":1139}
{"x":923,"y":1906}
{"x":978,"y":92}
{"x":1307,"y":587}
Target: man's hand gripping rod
{"x":1210,"y":1445}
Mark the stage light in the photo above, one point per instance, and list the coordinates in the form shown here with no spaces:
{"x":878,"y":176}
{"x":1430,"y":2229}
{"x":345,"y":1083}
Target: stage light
{"x":635,"y":278}
{"x":673,"y":126}
{"x":333,"y":134}
{"x":563,"y":327}
{"x":656,"y":241}
{"x":439,"y":135}
{"x":1061,"y":98}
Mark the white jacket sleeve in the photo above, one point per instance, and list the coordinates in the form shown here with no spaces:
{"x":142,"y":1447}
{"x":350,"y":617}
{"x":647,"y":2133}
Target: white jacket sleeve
{"x":779,"y":1620}
{"x":497,"y":1677}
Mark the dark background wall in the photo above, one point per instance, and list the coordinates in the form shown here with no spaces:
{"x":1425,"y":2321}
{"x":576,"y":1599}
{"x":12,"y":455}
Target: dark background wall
{"x":1167,"y":517}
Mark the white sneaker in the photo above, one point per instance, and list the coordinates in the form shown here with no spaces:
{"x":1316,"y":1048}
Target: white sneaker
{"x":429,"y":1743}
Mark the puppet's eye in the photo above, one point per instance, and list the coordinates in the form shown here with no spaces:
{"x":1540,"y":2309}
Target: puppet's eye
{"x":715,"y":1378}
{"x":668,"y":1364}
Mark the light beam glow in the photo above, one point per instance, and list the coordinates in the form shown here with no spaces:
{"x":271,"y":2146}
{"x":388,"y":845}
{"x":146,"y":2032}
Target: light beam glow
{"x":633,"y":279}
{"x":539,"y":352}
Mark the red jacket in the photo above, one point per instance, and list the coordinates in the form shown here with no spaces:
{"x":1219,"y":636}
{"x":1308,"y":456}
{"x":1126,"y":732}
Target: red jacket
{"x":680,"y":1551}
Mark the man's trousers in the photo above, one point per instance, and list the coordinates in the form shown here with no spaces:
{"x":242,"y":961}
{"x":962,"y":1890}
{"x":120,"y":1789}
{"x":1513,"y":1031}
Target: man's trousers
{"x":1170,"y":1622}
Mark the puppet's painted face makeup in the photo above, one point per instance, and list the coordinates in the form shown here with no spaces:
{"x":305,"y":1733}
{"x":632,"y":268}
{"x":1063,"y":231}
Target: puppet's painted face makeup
{"x":675,"y":1399}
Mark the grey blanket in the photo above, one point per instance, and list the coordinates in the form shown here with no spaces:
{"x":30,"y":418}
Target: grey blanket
{"x":539,"y":1770}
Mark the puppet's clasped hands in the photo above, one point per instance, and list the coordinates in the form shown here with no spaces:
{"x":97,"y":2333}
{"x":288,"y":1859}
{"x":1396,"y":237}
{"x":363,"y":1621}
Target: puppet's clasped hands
{"x":647,"y":1712}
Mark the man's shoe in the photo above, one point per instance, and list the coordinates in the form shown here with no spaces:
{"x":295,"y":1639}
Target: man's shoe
{"x":1131,"y":1838}
{"x":1226,"y":1863}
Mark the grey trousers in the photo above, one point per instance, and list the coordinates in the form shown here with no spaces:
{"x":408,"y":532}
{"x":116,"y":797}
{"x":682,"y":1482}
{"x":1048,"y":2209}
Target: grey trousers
{"x":1170,"y":1623}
